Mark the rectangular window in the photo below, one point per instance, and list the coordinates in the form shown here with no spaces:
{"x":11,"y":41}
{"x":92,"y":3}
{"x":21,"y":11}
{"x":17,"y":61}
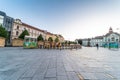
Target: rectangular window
{"x":1,"y":19}
{"x":17,"y":33}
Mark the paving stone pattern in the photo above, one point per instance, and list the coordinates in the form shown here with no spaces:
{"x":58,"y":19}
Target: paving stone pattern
{"x":89,"y":63}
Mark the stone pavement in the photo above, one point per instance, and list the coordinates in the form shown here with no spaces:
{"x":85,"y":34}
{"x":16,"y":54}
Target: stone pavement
{"x":40,"y":64}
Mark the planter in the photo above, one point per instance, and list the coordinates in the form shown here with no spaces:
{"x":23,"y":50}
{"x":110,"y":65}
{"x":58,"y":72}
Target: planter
{"x":40,"y":44}
{"x":2,"y":42}
{"x":17,"y":43}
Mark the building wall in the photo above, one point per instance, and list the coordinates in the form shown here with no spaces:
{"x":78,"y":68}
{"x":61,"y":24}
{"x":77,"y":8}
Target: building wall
{"x":84,"y":42}
{"x":54,"y":37}
{"x":7,"y":23}
{"x":19,"y":27}
{"x":49,"y":35}
{"x":106,"y":39}
{"x":1,"y":19}
{"x":112,"y":38}
{"x":61,"y":38}
{"x":15,"y":27}
{"x":96,"y":41}
{"x":33,"y":32}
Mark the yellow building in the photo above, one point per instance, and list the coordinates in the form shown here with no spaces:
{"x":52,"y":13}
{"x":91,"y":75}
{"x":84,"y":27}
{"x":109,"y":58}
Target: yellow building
{"x":60,"y":37}
{"x":19,"y":27}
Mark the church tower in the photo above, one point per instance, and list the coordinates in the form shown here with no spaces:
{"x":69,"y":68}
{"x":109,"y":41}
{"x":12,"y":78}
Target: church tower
{"x":110,"y":30}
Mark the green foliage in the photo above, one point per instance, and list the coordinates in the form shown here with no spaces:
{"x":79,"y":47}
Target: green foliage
{"x":22,"y":35}
{"x":56,"y":39}
{"x":69,"y":42}
{"x":80,"y":41}
{"x":3,"y":32}
{"x":63,"y":43}
{"x":50,"y":39}
{"x":66,"y":42}
{"x":40,"y":38}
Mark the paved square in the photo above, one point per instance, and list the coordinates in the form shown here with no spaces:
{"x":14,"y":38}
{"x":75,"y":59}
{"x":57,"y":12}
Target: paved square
{"x":17,"y":63}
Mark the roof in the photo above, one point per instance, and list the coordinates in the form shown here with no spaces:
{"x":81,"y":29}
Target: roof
{"x":112,"y":33}
{"x":44,"y":31}
{"x":37,"y":28}
{"x":98,"y":37}
{"x":32,"y":27}
{"x":85,"y":39}
{"x":50,"y":33}
{"x":58,"y":35}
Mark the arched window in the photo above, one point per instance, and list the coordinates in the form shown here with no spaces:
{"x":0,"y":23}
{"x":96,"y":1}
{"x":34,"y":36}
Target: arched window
{"x":17,"y":27}
{"x":112,"y":38}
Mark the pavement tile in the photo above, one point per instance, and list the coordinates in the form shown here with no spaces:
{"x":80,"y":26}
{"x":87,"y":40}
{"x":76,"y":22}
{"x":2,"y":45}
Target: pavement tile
{"x":17,"y":63}
{"x":51,"y":73}
{"x":62,"y":78}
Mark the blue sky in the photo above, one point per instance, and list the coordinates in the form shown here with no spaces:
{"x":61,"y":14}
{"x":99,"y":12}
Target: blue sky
{"x":71,"y":18}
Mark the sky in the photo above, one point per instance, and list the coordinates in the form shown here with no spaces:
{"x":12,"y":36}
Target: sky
{"x":73,"y":19}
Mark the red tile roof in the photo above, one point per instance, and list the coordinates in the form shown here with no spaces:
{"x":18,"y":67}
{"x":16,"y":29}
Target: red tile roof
{"x":29,"y":26}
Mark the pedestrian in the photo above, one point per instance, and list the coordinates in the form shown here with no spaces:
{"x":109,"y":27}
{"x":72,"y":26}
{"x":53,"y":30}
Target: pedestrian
{"x":97,"y":46}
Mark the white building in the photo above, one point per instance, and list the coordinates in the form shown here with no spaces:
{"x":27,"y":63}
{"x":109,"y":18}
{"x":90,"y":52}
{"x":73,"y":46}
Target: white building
{"x":86,"y":42}
{"x":97,"y":40}
{"x":19,"y":27}
{"x":110,"y":37}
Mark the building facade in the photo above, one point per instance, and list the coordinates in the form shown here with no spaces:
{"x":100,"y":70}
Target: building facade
{"x":19,"y":27}
{"x":60,"y":37}
{"x":110,"y":37}
{"x":7,"y":23}
{"x":85,"y":42}
{"x":97,"y":40}
{"x":15,"y":27}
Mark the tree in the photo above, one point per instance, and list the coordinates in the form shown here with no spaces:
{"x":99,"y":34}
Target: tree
{"x":50,"y":39}
{"x":63,"y":43}
{"x":56,"y":39}
{"x":22,"y":35}
{"x":69,"y":42}
{"x":40,"y":38}
{"x":75,"y":42}
{"x":66,"y":42}
{"x":80,"y":41}
{"x":3,"y":32}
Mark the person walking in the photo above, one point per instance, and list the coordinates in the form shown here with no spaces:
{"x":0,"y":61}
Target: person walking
{"x":97,"y":46}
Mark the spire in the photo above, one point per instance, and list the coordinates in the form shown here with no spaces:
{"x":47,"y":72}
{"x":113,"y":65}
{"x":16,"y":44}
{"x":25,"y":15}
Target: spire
{"x":110,"y":30}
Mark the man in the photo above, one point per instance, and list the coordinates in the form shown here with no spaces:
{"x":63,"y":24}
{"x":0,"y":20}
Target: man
{"x":97,"y":45}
